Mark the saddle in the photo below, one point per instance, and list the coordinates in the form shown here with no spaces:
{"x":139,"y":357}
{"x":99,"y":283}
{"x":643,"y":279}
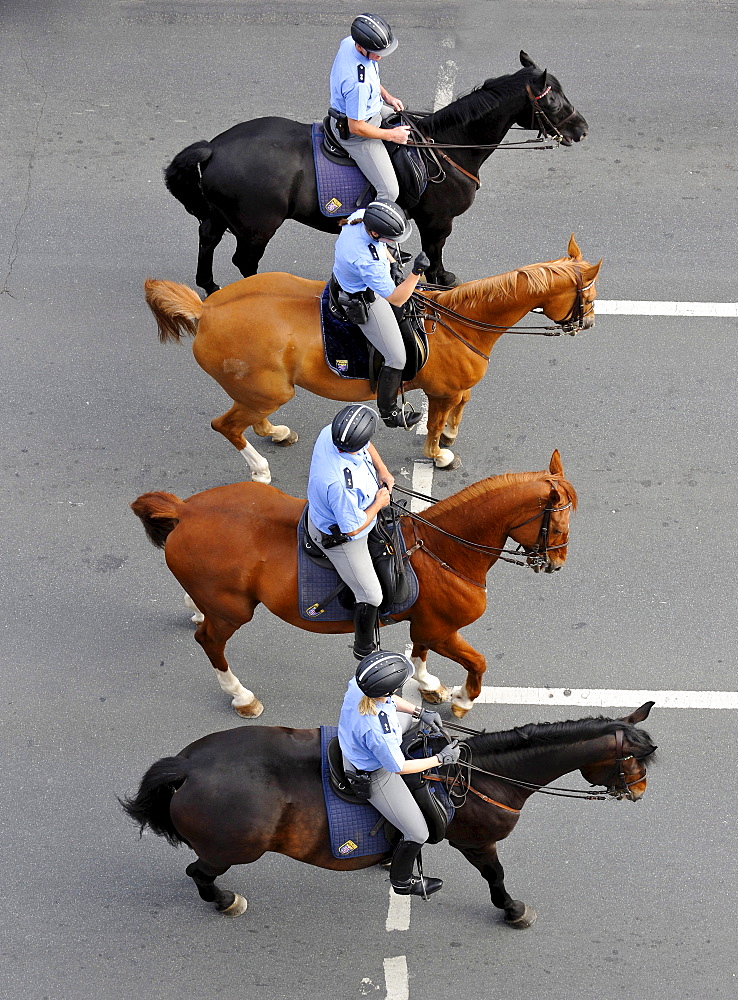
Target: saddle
{"x":386,"y":552}
{"x":412,"y":328}
{"x":408,"y":163}
{"x":434,"y":803}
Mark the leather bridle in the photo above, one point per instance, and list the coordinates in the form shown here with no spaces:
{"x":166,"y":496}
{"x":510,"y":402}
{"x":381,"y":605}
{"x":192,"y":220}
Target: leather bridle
{"x":540,"y":120}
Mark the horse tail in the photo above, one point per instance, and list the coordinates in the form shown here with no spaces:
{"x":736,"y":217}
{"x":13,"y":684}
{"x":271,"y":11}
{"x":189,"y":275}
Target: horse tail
{"x":159,"y":513}
{"x":150,"y":805}
{"x":182,"y":178}
{"x":176,"y":308}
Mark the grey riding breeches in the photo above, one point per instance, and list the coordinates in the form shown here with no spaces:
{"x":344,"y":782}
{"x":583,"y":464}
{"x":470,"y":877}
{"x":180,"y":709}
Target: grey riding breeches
{"x":373,"y":160}
{"x":354,"y":565}
{"x":393,"y":799}
{"x":382,"y":332}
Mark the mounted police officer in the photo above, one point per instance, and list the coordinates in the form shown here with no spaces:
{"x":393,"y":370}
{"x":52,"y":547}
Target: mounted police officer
{"x":362,"y":270}
{"x":359,"y":102}
{"x":370,"y":735}
{"x":348,"y":485}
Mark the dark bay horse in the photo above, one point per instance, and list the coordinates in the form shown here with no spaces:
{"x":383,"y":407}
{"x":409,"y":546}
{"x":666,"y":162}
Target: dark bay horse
{"x":234,"y":547}
{"x":234,"y":795}
{"x":259,"y":173}
{"x":261,"y":336}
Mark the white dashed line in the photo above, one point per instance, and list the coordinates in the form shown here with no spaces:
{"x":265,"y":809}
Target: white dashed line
{"x":614,"y":307}
{"x":604,"y":698}
{"x":398,"y":914}
{"x":395,"y":977}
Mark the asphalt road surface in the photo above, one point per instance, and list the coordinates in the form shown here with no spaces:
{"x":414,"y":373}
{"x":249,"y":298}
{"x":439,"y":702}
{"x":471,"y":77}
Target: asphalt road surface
{"x":101,"y":675}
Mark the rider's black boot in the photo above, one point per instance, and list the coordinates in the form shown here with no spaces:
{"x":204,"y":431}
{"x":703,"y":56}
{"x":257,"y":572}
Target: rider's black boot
{"x":365,"y":623}
{"x":403,"y":882}
{"x":394,"y":415}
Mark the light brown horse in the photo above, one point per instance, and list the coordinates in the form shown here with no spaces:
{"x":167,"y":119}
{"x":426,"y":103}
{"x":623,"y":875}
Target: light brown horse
{"x":260,"y":337}
{"x":234,"y":547}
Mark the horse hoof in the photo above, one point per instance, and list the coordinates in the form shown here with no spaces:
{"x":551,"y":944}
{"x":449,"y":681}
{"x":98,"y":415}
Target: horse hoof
{"x":527,"y":919}
{"x":290,"y":439}
{"x":448,"y":279}
{"x":459,"y":711}
{"x":446,"y":460}
{"x":211,"y":289}
{"x":445,"y":442}
{"x":237,"y":907}
{"x":436,"y":697}
{"x":198,"y":618}
{"x":250,"y":711}
{"x":262,"y":477}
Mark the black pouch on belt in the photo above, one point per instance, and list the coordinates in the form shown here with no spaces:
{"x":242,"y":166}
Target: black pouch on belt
{"x":335,"y":538}
{"x":360,"y":782}
{"x":340,"y":124}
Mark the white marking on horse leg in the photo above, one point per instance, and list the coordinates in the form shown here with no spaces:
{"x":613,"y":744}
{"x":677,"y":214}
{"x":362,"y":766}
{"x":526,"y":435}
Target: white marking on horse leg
{"x":257,"y":463}
{"x":460,"y":698}
{"x":241,"y":697}
{"x":426,"y":681}
{"x":198,"y":616}
{"x":444,"y":458}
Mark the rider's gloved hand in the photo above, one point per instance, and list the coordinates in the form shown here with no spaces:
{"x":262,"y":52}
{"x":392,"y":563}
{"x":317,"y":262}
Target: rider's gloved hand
{"x":449,"y":754}
{"x":431,"y":720}
{"x":396,"y":273}
{"x":422,"y":263}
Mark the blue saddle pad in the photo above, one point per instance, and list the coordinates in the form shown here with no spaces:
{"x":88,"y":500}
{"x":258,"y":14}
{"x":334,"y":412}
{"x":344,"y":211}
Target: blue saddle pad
{"x":342,"y":189}
{"x":316,"y":582}
{"x":355,"y":830}
{"x":344,"y":345}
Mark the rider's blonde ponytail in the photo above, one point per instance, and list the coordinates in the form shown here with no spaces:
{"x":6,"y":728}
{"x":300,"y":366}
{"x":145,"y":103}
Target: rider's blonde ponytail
{"x":368,"y":706}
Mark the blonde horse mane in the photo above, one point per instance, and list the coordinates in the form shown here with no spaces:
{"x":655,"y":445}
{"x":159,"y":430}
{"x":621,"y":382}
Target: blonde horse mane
{"x":540,"y":278}
{"x":482,"y":489}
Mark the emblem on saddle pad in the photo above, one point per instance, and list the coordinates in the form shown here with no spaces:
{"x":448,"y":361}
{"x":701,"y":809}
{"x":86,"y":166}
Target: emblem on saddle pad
{"x":342,"y":365}
{"x":348,"y":847}
{"x":333,"y":205}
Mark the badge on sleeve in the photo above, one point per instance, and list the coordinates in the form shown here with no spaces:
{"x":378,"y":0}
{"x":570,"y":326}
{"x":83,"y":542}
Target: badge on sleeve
{"x":348,"y":478}
{"x":384,"y":722}
{"x":374,"y":251}
{"x":361,"y":72}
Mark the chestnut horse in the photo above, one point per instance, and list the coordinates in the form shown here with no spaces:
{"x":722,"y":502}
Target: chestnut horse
{"x":261,"y":336}
{"x":234,"y":547}
{"x":243,"y":792}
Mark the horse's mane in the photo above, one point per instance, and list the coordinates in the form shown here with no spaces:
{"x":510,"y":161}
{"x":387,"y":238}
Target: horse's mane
{"x":504,"y":286}
{"x":479,"y":102}
{"x":536,"y":734}
{"x":484,"y":487}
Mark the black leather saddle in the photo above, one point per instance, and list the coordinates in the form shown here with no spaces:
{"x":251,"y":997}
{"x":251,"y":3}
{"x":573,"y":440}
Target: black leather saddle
{"x":433,"y":807}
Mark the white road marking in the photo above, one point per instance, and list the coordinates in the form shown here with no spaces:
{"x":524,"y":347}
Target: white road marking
{"x":446,"y":79}
{"x":398,"y":914}
{"x":605,"y":698}
{"x":614,"y":307}
{"x":395,"y":977}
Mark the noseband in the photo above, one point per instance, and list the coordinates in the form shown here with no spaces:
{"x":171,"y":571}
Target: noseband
{"x":538,"y":554}
{"x":540,"y":120}
{"x":620,"y":788}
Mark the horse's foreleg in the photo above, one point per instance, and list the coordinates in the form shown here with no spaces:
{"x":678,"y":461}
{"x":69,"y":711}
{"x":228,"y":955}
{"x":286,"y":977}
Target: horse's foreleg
{"x":232,"y":426}
{"x":453,"y":420}
{"x":429,"y":686}
{"x":213,"y":634}
{"x":438,"y":413}
{"x":454,"y":647}
{"x":211,"y":233}
{"x":517,"y":913}
{"x":433,"y":241}
{"x":279,"y":433}
{"x":226,"y":902}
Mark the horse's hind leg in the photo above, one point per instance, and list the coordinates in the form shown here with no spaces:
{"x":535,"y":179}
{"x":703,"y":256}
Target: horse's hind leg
{"x":453,"y":420}
{"x":279,"y":433}
{"x":213,"y":634}
{"x":249,"y":251}
{"x":454,"y":647}
{"x":231,"y":425}
{"x":211,"y":233}
{"x":226,"y":902}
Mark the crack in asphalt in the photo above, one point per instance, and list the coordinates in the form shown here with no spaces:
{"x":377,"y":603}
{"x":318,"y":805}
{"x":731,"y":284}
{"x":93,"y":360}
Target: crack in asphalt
{"x":15,"y":241}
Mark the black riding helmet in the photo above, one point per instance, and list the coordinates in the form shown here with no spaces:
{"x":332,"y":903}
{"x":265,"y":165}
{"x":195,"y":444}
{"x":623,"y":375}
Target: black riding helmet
{"x":388,"y":220}
{"x":353,"y":426}
{"x":372,"y":33}
{"x":381,"y":673}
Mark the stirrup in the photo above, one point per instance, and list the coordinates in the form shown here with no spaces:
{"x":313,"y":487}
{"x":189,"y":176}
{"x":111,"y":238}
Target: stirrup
{"x":405,"y":417}
{"x":418,"y":886}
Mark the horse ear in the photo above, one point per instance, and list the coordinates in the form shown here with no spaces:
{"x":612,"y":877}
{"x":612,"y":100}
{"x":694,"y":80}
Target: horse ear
{"x":554,"y":466}
{"x":592,"y":272}
{"x":525,"y":59}
{"x":573,"y":249}
{"x":640,"y":713}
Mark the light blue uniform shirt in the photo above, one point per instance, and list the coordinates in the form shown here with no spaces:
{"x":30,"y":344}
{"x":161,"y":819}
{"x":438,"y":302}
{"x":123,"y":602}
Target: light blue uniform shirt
{"x":332,"y":500}
{"x":358,"y":99}
{"x":356,"y":266}
{"x":370,"y":741}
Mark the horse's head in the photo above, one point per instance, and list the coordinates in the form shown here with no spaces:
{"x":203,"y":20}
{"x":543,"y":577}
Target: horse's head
{"x":545,"y":534}
{"x":570,"y":297}
{"x":550,"y":109}
{"x":623,"y":770}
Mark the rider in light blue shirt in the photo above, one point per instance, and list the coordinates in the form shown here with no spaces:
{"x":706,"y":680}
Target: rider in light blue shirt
{"x":331,"y":500}
{"x":355,"y":94}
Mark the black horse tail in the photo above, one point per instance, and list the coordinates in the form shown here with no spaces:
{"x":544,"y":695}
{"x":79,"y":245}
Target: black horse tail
{"x":159,"y":513}
{"x":182,"y":178}
{"x":150,"y":806}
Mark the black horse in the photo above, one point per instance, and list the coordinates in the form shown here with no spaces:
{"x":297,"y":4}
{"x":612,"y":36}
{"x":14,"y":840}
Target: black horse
{"x":261,"y":172}
{"x":234,"y":795}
